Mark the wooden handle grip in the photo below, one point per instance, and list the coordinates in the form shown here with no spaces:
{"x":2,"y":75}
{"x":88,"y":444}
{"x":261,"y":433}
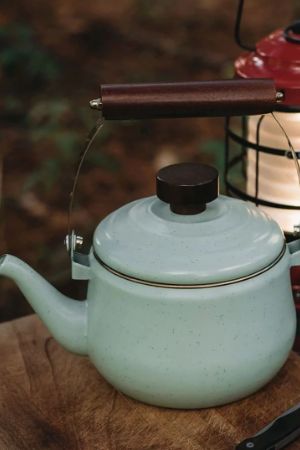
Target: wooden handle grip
{"x":193,"y":99}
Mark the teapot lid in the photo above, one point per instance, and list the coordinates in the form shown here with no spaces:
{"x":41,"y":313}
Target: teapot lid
{"x":187,"y":234}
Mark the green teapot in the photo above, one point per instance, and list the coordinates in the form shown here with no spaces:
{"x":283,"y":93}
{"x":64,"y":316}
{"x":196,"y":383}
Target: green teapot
{"x":189,"y":301}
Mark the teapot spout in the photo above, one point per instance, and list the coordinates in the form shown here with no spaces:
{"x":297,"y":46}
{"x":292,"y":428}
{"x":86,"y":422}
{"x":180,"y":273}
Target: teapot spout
{"x":65,"y":318}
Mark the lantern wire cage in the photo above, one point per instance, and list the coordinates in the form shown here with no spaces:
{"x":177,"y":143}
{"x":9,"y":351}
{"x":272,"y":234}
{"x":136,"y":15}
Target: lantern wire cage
{"x":237,"y":148}
{"x":239,"y":145}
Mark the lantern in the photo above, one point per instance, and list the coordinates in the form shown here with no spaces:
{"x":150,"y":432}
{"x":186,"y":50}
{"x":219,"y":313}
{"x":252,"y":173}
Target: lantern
{"x":259,"y":162}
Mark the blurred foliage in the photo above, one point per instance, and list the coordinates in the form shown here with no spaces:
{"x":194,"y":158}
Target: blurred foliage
{"x":23,"y":59}
{"x":27,"y":65}
{"x":213,"y":149}
{"x":154,"y":11}
{"x":46,"y":123}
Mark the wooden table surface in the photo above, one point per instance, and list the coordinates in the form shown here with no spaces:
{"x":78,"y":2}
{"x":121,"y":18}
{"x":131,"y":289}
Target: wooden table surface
{"x":51,"y":399}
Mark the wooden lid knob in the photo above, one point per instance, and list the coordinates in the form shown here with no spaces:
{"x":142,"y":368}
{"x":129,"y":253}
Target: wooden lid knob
{"x":187,"y":187}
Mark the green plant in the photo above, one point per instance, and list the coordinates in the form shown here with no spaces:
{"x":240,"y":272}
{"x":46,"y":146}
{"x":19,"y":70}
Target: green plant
{"x":23,"y":58}
{"x":47,"y":126}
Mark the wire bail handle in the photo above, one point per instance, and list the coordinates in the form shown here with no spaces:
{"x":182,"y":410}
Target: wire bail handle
{"x":72,"y":240}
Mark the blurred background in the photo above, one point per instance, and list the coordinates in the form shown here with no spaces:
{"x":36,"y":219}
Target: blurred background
{"x":53,"y":56}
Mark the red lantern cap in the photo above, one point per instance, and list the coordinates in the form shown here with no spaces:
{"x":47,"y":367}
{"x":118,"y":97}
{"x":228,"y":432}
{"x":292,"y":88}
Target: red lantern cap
{"x":277,"y":56}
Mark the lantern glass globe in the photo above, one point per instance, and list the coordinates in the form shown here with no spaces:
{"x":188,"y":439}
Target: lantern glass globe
{"x":278,"y":180}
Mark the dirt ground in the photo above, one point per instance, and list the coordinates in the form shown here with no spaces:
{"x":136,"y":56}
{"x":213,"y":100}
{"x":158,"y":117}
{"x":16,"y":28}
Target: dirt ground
{"x":53,"y":56}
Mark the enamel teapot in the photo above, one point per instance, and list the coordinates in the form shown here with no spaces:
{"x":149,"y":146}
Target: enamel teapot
{"x":189,"y":299}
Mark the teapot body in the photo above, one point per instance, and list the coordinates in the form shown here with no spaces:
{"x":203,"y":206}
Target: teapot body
{"x":190,"y":347}
{"x":189,"y":300}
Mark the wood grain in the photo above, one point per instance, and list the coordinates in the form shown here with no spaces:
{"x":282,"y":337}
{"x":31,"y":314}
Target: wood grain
{"x":216,"y":98}
{"x":51,"y":399}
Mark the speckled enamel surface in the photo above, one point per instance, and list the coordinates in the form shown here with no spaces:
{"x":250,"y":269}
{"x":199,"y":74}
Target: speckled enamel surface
{"x":177,"y":348}
{"x":145,"y":240}
{"x":190,"y":348}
